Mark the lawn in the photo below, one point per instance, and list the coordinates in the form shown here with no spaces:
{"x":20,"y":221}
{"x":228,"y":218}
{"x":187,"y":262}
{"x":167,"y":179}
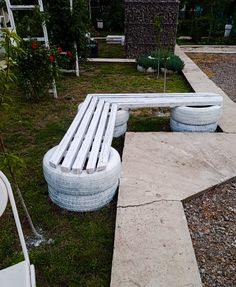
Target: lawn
{"x":80,"y":252}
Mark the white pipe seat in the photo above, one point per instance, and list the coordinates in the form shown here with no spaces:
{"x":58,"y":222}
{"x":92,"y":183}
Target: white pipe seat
{"x":21,"y":274}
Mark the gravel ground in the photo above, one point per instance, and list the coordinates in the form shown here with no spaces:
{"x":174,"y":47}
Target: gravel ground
{"x":212,"y":223}
{"x":212,"y":216}
{"x":221,"y":68}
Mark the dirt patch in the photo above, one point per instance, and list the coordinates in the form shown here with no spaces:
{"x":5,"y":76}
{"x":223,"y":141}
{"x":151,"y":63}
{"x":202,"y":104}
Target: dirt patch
{"x":212,"y":222}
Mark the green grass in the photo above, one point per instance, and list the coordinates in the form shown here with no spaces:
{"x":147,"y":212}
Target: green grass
{"x":81,"y":252}
{"x":110,"y":50}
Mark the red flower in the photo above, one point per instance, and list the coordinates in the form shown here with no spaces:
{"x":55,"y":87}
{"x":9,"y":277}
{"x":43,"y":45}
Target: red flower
{"x":69,"y":54}
{"x":34,"y":45}
{"x":51,"y":58}
{"x":60,"y":50}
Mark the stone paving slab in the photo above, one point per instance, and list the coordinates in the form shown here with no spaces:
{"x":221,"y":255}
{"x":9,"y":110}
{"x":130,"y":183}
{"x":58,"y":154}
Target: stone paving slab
{"x":174,"y":166}
{"x":111,"y":60}
{"x":201,"y":83}
{"x":213,"y":49}
{"x":153,"y":247}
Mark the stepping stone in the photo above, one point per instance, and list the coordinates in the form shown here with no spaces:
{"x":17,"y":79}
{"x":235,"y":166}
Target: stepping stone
{"x":152,"y":245}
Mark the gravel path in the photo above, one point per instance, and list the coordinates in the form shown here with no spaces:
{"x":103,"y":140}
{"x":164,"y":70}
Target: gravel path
{"x":212,"y":216}
{"x":221,"y":68}
{"x":212,"y":223}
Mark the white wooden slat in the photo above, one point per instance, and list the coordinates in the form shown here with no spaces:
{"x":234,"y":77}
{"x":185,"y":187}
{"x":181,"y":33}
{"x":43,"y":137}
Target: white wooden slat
{"x":85,"y":147}
{"x":106,"y":145}
{"x":154,"y":95}
{"x":165,"y":102}
{"x":38,"y":39}
{"x":93,"y":157}
{"x":22,"y":7}
{"x":78,"y":138}
{"x":65,"y":142}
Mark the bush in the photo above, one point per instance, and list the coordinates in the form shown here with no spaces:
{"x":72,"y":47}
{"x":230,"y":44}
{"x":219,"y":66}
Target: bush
{"x":144,"y":62}
{"x":174,"y":63}
{"x":65,"y":28}
{"x":36,"y":70}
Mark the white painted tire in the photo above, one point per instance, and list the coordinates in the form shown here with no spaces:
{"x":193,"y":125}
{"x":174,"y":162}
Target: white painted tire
{"x":179,"y":127}
{"x":196,"y":115}
{"x":120,"y":130}
{"x":122,"y":117}
{"x":141,"y":69}
{"x":83,"y":203}
{"x":83,"y":184}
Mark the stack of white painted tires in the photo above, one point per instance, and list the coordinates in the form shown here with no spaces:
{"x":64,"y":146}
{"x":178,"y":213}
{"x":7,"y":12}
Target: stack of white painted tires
{"x":82,"y":192}
{"x":122,"y":118}
{"x":195,"y":119}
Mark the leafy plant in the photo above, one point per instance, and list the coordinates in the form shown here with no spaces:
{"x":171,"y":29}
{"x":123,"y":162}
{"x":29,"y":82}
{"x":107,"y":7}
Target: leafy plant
{"x":10,"y":160}
{"x":174,"y":63}
{"x":36,"y":69}
{"x":144,"y":61}
{"x":11,"y":44}
{"x":66,"y":27}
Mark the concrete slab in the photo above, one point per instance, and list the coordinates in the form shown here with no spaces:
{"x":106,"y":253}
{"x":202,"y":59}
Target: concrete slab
{"x":201,"y":83}
{"x":174,"y":166}
{"x":213,"y":49}
{"x":111,"y":60}
{"x":153,"y":248}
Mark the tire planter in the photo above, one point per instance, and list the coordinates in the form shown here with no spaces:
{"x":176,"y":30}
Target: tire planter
{"x":151,"y":70}
{"x":179,"y":127}
{"x":82,"y":192}
{"x":196,"y":116}
{"x":141,"y":69}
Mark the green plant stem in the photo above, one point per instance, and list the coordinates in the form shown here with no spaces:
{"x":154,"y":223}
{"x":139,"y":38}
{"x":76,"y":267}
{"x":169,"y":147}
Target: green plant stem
{"x":164,"y":90}
{"x":20,"y":193}
{"x":158,"y":63}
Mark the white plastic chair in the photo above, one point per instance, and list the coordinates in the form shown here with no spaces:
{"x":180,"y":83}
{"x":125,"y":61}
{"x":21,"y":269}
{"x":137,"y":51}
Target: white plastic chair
{"x":21,"y":274}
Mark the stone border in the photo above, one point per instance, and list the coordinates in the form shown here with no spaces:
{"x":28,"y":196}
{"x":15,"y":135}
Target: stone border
{"x":199,"y":82}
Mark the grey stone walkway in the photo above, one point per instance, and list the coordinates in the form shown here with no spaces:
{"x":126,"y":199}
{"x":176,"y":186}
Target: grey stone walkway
{"x":152,"y":245}
{"x":213,"y":49}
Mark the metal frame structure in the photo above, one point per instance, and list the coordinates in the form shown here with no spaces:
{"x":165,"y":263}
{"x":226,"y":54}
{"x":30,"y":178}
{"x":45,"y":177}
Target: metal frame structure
{"x":23,"y":270}
{"x":11,"y":8}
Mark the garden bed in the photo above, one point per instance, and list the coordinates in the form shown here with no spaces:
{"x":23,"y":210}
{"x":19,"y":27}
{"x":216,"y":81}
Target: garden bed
{"x":81,"y":248}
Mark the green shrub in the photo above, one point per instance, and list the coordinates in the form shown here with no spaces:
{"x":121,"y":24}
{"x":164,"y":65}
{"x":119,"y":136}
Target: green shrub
{"x":144,"y":62}
{"x":174,"y":63}
{"x":36,"y":70}
{"x":154,"y":63}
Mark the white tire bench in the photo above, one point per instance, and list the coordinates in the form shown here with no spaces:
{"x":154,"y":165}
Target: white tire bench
{"x":83,"y":171}
{"x":122,"y":117}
